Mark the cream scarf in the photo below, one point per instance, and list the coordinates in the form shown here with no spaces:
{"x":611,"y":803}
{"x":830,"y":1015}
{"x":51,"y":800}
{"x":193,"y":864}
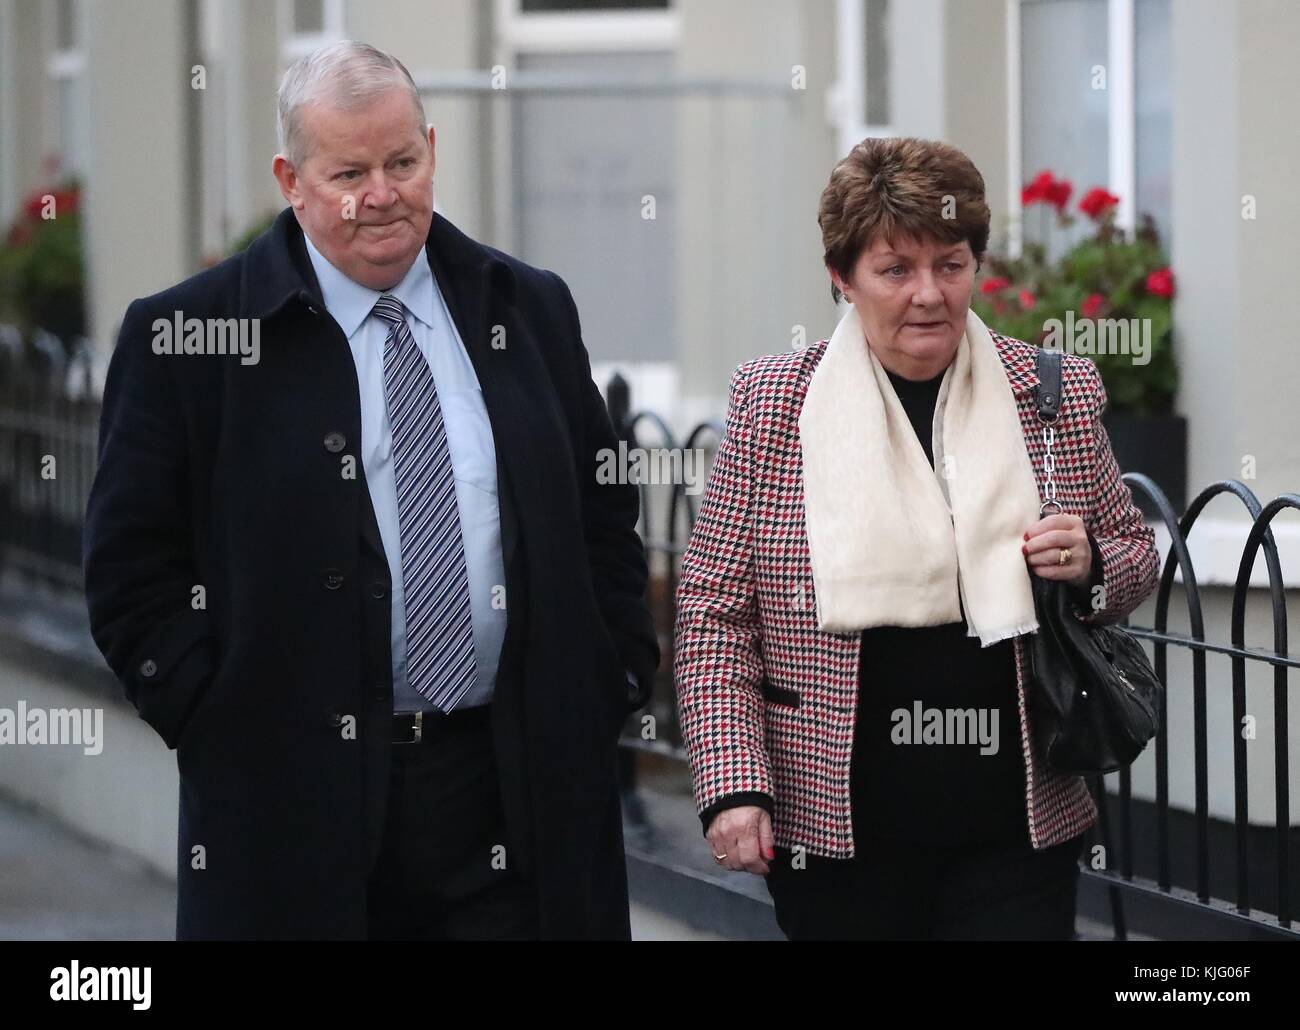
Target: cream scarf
{"x":893,"y":541}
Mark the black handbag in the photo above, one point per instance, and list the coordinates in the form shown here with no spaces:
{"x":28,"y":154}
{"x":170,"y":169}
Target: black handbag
{"x":1094,"y":700}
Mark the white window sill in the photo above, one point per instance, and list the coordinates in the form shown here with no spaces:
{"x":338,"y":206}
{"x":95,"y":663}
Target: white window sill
{"x":1216,"y":547}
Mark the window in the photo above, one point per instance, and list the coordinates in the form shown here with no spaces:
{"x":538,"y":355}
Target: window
{"x":1154,"y":113}
{"x":306,"y":25}
{"x":67,"y":70}
{"x":584,"y":162}
{"x":582,"y":157}
{"x":591,"y":5}
{"x":586,"y":26}
{"x":309,"y":17}
{"x":875,"y":100}
{"x":1094,"y":105}
{"x":863,"y":99}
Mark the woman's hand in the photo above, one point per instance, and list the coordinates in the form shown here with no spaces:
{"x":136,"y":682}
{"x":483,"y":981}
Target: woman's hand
{"x":744,"y":836}
{"x":1043,"y":544}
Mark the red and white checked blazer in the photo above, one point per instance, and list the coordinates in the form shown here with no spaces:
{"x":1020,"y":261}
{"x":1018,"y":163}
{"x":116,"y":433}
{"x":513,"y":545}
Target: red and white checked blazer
{"x":767,"y":701}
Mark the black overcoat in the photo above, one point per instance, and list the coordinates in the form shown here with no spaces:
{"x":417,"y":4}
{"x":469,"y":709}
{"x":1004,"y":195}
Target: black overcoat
{"x":273,"y":681}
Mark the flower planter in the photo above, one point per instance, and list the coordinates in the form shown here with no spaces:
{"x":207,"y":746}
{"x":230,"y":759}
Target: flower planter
{"x":1155,"y":445}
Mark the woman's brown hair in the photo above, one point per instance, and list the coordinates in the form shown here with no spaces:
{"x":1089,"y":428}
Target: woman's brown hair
{"x":891,"y":187}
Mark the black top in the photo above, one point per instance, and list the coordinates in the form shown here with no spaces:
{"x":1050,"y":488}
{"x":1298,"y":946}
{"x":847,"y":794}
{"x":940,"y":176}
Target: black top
{"x":913,"y":682}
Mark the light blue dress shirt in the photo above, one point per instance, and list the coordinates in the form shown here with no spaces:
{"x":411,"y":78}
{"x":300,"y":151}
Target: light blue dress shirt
{"x":469,"y":438}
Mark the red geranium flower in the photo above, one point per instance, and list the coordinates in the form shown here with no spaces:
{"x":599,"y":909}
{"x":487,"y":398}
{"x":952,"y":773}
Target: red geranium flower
{"x":1091,"y":305}
{"x":1059,"y":194}
{"x":1096,"y":202}
{"x":66,"y":201}
{"x":1160,"y":283}
{"x":1047,"y":189}
{"x":34,"y":204}
{"x":1027,"y":300}
{"x":1038,"y":189}
{"x":994,"y":284}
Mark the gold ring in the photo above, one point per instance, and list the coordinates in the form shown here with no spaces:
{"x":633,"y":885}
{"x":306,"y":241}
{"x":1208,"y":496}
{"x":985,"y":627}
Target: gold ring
{"x":1065,"y":556}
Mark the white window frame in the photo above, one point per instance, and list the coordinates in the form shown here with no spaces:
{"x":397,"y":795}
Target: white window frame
{"x":1121,"y":115}
{"x":588,"y":32}
{"x":583,"y":31}
{"x":8,"y":118}
{"x":296,"y":44}
{"x":67,"y":65}
{"x":846,"y":100}
{"x":517,"y":33}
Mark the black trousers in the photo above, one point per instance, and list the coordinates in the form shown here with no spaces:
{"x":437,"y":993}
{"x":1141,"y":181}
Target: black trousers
{"x":895,"y":890}
{"x":444,"y":871}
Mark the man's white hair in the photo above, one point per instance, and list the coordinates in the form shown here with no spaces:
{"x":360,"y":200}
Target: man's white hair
{"x":347,"y":75}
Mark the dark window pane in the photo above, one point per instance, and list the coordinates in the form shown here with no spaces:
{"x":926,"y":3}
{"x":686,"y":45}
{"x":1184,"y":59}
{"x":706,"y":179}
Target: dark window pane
{"x":876,"y":80}
{"x":1154,"y":113}
{"x":1064,"y":114}
{"x":309,"y":16}
{"x":67,"y":26}
{"x":584,"y":164}
{"x":592,"y":5}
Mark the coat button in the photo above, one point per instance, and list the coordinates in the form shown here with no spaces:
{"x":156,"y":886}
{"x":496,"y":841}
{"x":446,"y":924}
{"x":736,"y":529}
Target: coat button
{"x":148,"y":667}
{"x":378,"y":590}
{"x":334,"y":442}
{"x":332,"y":578}
{"x":381,"y":692}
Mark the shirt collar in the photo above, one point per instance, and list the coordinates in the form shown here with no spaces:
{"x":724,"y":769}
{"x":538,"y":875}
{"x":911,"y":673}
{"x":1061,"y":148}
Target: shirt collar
{"x":350,"y":303}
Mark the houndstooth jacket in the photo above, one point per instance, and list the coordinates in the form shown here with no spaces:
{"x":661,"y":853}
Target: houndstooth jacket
{"x":767,"y":701}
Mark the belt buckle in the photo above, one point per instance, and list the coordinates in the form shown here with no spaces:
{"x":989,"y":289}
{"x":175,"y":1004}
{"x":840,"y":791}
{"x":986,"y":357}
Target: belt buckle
{"x":414,"y":722}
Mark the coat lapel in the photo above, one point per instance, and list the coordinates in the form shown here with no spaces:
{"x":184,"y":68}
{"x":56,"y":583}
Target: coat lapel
{"x":1019,"y":364}
{"x":479,"y":290}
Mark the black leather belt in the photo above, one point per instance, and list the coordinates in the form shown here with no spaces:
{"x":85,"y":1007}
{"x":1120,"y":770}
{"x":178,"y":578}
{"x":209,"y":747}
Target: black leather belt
{"x":423,"y":726}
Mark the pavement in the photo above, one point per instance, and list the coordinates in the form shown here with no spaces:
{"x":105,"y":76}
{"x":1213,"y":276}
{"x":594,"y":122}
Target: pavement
{"x":58,"y":886}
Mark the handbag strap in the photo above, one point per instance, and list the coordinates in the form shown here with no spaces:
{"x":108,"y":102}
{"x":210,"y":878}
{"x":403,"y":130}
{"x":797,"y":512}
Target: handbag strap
{"x":1048,"y":392}
{"x":1049,"y":384}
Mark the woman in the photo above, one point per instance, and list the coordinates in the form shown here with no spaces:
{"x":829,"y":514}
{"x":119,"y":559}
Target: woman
{"x":856,"y":598}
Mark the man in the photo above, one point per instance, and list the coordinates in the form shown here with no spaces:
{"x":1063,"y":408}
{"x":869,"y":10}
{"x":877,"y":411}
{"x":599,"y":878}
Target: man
{"x":362,"y":577}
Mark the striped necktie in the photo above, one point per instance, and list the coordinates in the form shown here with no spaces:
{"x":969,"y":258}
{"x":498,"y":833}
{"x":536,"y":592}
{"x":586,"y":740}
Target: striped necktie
{"x":435,"y":580}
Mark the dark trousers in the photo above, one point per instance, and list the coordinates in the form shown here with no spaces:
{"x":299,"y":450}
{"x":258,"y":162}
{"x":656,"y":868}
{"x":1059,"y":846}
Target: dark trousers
{"x":439,"y":875}
{"x":902,"y":891}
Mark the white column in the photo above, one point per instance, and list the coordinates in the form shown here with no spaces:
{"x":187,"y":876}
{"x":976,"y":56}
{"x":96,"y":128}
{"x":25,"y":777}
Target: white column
{"x":137,"y":196}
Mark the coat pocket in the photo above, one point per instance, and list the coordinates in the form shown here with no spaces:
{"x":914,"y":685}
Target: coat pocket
{"x":170,"y":673}
{"x":779,"y":695}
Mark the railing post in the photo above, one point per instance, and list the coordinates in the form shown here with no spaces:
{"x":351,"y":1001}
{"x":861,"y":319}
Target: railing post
{"x":618,"y":399}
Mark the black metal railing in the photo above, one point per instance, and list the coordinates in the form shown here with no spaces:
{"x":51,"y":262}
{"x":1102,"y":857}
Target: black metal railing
{"x":1140,"y":869}
{"x":1179,"y":562}
{"x":49,"y":419}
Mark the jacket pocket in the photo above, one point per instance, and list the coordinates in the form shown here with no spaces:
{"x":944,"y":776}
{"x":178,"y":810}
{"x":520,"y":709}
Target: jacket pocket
{"x":779,"y":695}
{"x":171,"y":672}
